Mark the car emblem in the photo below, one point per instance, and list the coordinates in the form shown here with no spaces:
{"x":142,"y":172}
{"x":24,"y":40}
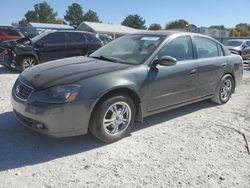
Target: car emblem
{"x":18,"y":89}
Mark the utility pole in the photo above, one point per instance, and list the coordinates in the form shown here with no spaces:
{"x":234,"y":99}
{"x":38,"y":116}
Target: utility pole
{"x":37,"y":12}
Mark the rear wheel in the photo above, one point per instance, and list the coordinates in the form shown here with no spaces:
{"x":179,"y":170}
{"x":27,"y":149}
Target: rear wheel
{"x":28,"y":62}
{"x":113,"y":118}
{"x":224,"y":90}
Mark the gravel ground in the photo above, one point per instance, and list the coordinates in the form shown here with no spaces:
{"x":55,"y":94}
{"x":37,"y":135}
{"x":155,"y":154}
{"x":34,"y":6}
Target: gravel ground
{"x":200,"y":145}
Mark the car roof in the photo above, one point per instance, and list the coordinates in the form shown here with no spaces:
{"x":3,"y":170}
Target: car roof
{"x":66,"y":31}
{"x":159,"y":32}
{"x":168,"y":33}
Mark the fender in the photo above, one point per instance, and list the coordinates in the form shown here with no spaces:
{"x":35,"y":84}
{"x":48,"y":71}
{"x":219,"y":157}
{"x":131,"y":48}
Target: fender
{"x":21,"y":54}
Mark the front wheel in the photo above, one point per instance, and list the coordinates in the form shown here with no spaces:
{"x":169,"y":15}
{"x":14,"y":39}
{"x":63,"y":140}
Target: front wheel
{"x":113,"y":118}
{"x":224,"y":90}
{"x":27,"y":62}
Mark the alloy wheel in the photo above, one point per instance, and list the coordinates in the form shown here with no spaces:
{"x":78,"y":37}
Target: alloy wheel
{"x":117,"y":118}
{"x":28,"y":62}
{"x":226,"y":89}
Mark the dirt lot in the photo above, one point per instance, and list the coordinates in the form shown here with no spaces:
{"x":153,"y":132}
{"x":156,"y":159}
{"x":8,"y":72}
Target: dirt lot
{"x":200,"y":145}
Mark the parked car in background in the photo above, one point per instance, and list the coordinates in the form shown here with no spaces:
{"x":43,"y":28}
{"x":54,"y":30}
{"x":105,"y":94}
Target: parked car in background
{"x":105,"y":38}
{"x":9,"y":33}
{"x":128,"y":79}
{"x":239,"y":46}
{"x":49,"y":46}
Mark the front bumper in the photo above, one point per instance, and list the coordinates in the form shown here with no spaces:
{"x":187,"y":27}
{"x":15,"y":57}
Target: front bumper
{"x":56,"y":120}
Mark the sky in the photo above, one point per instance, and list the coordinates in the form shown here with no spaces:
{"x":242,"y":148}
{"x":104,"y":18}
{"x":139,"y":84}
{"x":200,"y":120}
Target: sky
{"x":198,"y":12}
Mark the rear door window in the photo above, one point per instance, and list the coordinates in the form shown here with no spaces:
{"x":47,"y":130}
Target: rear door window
{"x":206,"y":48}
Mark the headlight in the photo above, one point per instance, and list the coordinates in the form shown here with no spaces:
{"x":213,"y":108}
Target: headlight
{"x":59,"y":94}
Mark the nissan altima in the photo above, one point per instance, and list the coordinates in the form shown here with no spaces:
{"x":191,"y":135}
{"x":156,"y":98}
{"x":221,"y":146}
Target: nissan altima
{"x":126,"y":80}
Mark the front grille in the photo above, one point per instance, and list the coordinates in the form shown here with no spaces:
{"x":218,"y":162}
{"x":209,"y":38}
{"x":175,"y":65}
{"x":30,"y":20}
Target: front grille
{"x":22,"y":91}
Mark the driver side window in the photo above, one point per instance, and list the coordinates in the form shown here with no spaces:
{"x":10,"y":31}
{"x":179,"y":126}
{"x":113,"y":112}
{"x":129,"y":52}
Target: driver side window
{"x":54,"y":38}
{"x":180,"y":48}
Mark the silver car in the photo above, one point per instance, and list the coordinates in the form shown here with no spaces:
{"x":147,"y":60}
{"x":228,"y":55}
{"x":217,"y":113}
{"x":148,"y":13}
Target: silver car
{"x":239,"y":46}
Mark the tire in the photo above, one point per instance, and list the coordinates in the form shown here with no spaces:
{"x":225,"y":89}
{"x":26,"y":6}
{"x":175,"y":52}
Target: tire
{"x":110,"y":125}
{"x":27,"y":62}
{"x":224,"y":90}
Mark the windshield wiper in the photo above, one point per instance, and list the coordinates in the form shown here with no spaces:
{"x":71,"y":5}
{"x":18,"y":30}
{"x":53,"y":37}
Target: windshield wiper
{"x":104,"y":58}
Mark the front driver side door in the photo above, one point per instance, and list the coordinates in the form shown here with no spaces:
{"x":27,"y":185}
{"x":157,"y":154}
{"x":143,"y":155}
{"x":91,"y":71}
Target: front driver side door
{"x":53,"y":47}
{"x":172,"y":85}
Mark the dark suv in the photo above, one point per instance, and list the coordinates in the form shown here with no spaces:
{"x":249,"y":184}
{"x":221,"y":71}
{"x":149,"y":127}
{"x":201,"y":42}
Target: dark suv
{"x":48,"y":46}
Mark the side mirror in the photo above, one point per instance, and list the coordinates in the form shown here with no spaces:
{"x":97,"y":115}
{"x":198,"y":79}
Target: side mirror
{"x":244,"y":45}
{"x":165,"y":61}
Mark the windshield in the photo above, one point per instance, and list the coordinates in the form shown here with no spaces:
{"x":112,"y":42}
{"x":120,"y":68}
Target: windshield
{"x":38,"y":37}
{"x":233,"y":43}
{"x":130,"y":49}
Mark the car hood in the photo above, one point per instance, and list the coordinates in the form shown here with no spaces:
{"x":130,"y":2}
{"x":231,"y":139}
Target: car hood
{"x":69,"y":70}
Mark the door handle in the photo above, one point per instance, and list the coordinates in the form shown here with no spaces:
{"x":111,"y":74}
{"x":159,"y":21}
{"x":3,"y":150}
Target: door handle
{"x":223,"y":64}
{"x":192,"y":72}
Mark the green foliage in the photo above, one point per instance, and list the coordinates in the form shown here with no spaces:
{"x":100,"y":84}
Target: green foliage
{"x":74,"y":15}
{"x":240,"y":30}
{"x":134,"y":21}
{"x":178,"y":24}
{"x":91,"y":16}
{"x":23,"y":23}
{"x":42,"y":13}
{"x":155,"y":26}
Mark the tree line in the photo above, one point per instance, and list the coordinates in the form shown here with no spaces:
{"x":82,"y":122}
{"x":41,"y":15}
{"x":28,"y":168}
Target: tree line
{"x":75,"y":15}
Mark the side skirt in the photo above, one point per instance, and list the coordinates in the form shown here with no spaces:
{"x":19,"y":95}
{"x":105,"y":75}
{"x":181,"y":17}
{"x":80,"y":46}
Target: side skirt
{"x":145,"y":114}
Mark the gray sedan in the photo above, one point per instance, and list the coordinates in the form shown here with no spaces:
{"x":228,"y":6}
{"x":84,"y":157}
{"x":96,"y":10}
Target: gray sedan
{"x":126,"y":80}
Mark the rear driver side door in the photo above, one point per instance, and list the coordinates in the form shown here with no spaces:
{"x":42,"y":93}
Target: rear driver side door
{"x":212,"y":64}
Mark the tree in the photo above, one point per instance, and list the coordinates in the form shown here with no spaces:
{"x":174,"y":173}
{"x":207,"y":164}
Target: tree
{"x":74,"y":15}
{"x":178,"y":24}
{"x":91,"y":16}
{"x":155,"y":26}
{"x":42,"y":13}
{"x":134,"y":21}
{"x":240,"y":25}
{"x":240,"y":30}
{"x":23,"y":23}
